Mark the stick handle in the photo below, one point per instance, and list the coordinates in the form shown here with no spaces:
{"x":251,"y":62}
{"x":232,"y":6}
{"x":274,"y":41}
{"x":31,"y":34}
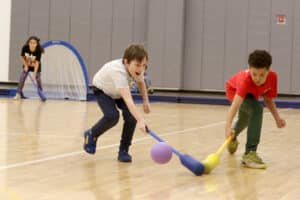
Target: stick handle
{"x":224,"y":145}
{"x":33,"y":82}
{"x":40,"y":93}
{"x":155,"y":136}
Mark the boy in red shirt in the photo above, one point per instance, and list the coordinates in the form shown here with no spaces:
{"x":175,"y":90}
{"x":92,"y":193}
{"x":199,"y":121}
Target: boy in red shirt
{"x":243,"y":90}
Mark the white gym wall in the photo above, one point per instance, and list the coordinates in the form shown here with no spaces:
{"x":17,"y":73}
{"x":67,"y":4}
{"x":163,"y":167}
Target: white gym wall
{"x":5,"y":16}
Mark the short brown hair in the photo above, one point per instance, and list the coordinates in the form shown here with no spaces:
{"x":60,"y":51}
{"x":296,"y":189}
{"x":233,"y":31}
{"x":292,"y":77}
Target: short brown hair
{"x":135,"y":52}
{"x":260,"y":59}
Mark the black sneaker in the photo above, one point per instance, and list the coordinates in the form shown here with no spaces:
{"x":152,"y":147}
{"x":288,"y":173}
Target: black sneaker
{"x":22,"y":96}
{"x":90,"y":142}
{"x":124,"y":156}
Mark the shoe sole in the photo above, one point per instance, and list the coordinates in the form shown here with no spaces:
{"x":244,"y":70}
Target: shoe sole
{"x":231,"y":152}
{"x":253,"y":165}
{"x":125,"y":161}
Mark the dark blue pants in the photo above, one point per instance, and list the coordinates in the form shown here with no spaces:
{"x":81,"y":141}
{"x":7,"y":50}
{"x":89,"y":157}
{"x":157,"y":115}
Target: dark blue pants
{"x":111,"y":116}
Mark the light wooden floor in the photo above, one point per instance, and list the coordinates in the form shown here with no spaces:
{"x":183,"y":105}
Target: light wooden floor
{"x":41,"y":155}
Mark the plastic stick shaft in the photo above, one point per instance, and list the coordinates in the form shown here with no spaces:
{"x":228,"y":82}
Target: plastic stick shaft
{"x":40,"y":93}
{"x":223,"y":145}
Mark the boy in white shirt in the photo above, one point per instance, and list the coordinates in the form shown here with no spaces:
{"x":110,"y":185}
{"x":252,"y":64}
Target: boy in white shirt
{"x":111,"y":88}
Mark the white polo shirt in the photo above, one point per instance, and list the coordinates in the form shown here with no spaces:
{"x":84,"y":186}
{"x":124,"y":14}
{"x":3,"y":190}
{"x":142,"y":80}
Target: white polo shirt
{"x":112,"y":77}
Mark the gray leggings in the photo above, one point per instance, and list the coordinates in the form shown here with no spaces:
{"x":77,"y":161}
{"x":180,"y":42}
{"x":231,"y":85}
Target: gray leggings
{"x":23,"y":77}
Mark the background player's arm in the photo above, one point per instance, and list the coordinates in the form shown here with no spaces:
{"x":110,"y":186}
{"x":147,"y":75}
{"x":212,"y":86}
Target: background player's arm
{"x":236,"y":103}
{"x":269,"y":103}
{"x":24,"y":63}
{"x":126,"y":95}
{"x":143,"y":90}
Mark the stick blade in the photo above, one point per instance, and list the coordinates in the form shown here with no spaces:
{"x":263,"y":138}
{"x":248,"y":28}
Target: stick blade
{"x":40,"y":93}
{"x":192,"y":164}
{"x":42,"y":96}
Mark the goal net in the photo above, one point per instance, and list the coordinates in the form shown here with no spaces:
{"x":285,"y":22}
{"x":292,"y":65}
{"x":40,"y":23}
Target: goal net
{"x":63,"y":73}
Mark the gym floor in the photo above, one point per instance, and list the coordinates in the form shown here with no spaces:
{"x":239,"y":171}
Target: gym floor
{"x":42,"y":158}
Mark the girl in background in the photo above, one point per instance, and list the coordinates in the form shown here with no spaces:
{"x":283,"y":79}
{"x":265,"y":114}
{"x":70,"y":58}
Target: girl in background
{"x":31,"y":58}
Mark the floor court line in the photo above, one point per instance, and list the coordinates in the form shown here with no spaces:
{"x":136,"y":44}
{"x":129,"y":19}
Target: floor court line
{"x":22,"y":164}
{"x":56,"y":157}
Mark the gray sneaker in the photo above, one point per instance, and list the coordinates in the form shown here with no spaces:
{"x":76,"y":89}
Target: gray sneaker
{"x":17,"y":97}
{"x":252,"y":160}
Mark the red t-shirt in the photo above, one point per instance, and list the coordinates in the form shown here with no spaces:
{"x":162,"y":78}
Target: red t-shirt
{"x":242,"y":84}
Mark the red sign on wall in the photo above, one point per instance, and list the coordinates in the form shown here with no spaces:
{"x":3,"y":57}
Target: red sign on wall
{"x":281,"y":19}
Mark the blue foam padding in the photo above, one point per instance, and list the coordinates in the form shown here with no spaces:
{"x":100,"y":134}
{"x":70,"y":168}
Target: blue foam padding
{"x":211,"y":100}
{"x":288,"y":103}
{"x":178,"y":99}
{"x":8,"y":92}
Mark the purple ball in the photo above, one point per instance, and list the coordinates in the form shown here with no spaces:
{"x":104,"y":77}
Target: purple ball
{"x":161,"y":153}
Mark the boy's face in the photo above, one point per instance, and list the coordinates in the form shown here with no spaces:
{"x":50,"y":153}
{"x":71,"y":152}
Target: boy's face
{"x":136,"y":68}
{"x":259,"y":76}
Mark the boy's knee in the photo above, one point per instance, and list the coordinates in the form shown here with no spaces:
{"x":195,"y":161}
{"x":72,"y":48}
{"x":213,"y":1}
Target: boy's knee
{"x":129,"y":118}
{"x":112,"y":118}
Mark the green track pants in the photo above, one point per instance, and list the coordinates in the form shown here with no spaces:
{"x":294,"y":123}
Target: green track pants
{"x":250,"y":115}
